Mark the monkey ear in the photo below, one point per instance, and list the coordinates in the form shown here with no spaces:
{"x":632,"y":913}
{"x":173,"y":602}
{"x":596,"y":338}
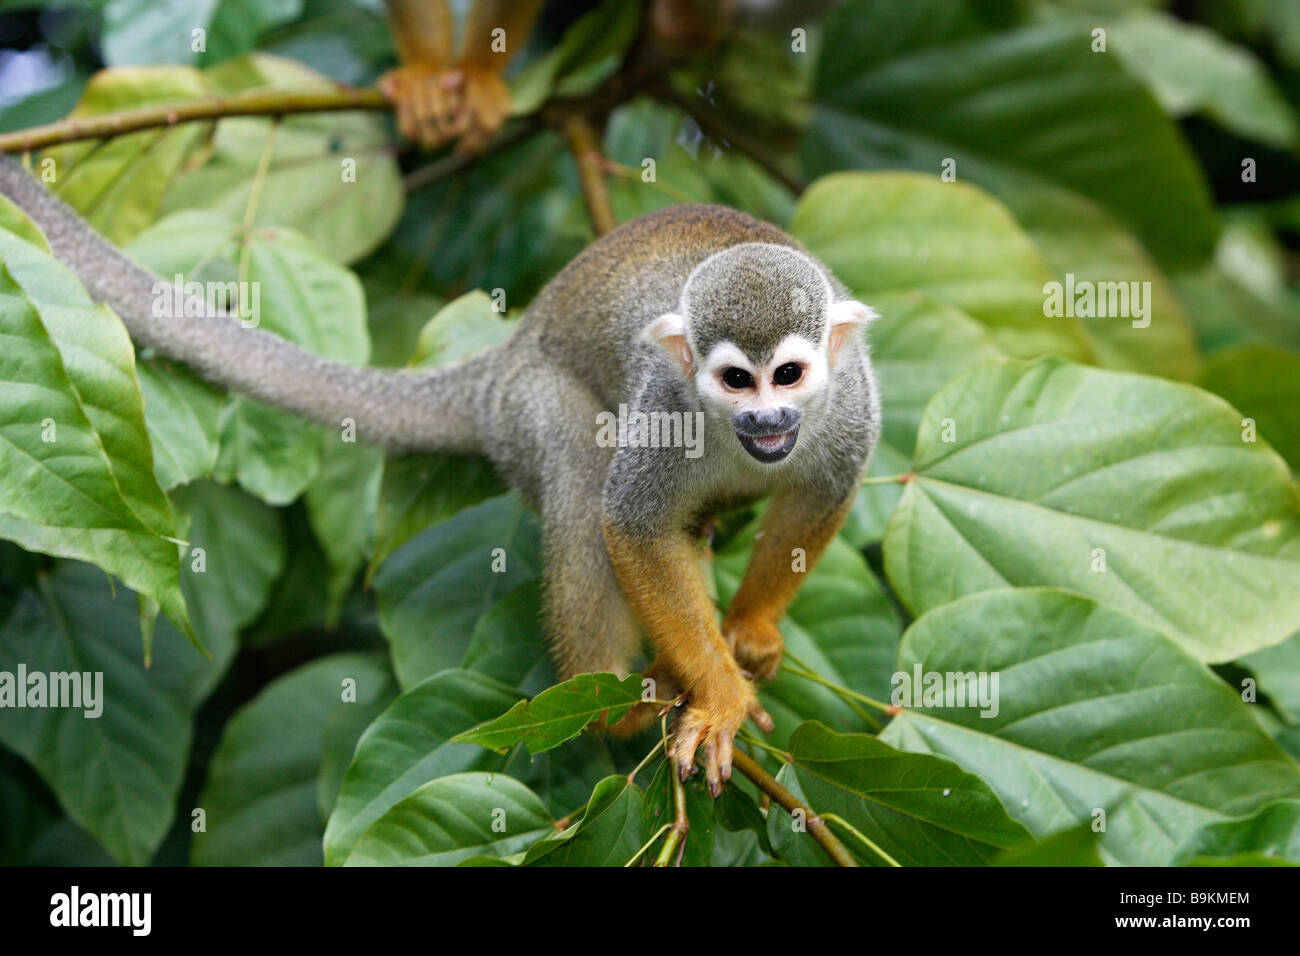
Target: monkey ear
{"x":846,"y":318}
{"x":669,"y":333}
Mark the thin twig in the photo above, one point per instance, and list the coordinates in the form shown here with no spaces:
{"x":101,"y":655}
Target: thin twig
{"x":631,"y":777}
{"x":265,"y":101}
{"x":865,"y":840}
{"x":584,"y":143}
{"x":454,"y":162}
{"x":817,"y":827}
{"x":649,"y":843}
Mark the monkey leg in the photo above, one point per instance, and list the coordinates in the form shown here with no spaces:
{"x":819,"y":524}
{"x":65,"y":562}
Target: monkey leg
{"x":796,"y":529}
{"x":543,"y":425}
{"x":661,"y":576}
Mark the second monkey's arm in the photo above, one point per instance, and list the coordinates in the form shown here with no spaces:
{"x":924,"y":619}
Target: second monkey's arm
{"x":443,"y":94}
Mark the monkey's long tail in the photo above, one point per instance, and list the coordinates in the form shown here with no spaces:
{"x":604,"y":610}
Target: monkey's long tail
{"x":400,"y":410}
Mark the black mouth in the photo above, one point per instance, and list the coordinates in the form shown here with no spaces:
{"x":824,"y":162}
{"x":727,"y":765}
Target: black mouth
{"x":769,"y":448}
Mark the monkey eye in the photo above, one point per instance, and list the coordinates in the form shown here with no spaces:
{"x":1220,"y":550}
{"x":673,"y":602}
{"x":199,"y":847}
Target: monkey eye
{"x":787,"y":374}
{"x":737,"y":378}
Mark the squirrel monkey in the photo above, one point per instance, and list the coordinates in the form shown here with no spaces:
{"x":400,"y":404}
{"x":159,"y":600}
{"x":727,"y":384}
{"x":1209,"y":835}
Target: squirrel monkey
{"x":692,"y":310}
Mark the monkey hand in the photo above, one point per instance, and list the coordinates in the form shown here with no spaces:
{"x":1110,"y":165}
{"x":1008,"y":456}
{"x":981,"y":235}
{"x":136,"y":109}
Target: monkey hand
{"x":756,"y":643}
{"x":487,"y":106}
{"x":436,"y":105}
{"x":429,"y":101}
{"x":712,"y":718}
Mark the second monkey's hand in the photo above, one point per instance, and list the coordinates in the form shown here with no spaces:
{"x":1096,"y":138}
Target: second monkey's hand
{"x":436,"y":106}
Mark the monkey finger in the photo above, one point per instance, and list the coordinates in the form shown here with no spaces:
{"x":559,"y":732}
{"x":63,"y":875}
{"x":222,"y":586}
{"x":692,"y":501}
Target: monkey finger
{"x":683,"y":752}
{"x":761,"y":717}
{"x":725,"y":747}
{"x":431,"y":110}
{"x":711,"y":774}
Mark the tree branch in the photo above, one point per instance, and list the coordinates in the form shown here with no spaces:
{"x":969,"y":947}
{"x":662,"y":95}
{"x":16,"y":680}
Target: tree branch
{"x":817,"y":828}
{"x":454,"y":162}
{"x":258,"y":102}
{"x":585,"y":146}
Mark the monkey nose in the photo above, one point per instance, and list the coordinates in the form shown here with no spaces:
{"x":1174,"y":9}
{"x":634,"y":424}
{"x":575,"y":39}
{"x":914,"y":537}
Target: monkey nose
{"x":766,"y":421}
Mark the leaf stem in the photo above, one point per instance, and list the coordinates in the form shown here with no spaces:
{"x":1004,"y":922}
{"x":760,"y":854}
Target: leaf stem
{"x":645,"y":760}
{"x":800,"y":669}
{"x":649,"y":843}
{"x":836,"y":818}
{"x":899,"y":479}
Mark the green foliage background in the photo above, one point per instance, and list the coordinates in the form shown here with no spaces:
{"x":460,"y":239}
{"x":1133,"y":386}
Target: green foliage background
{"x":1161,"y":694}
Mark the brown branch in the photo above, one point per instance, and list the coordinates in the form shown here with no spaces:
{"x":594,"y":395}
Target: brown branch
{"x":718,"y":128}
{"x":585,"y":146}
{"x":817,"y":827}
{"x":454,"y":162}
{"x":259,"y":102}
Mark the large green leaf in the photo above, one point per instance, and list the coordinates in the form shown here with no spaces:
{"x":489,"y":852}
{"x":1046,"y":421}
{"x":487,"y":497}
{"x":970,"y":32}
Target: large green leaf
{"x":435,"y":589}
{"x":1191,"y":69}
{"x":143,"y":32}
{"x":607,"y":833}
{"x":589,"y":51}
{"x":116,"y":184}
{"x":341,"y":505}
{"x":916,"y":347}
{"x":918,"y":809}
{"x":236,"y":553}
{"x":273,"y":454}
{"x":1277,"y":670}
{"x":1085,"y":248}
{"x":1269,"y":837}
{"x":79,"y":480}
{"x":888,"y":234}
{"x":455,"y":818}
{"x":421,"y":490}
{"x":1135,"y":491}
{"x":260,"y":795}
{"x":558,"y":713}
{"x":463,"y":327}
{"x":1225,"y":312}
{"x":301,"y":295}
{"x":1012,"y":108}
{"x":117,"y":774}
{"x":182,"y":415}
{"x":687,"y":166}
{"x":1095,"y":711}
{"x":500,"y":224}
{"x":408,"y":745}
{"x":306,"y":185}
{"x":1263,"y":383}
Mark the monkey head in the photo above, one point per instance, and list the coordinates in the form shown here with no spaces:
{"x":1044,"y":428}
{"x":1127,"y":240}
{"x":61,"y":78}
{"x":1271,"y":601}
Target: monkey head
{"x":758,"y":331}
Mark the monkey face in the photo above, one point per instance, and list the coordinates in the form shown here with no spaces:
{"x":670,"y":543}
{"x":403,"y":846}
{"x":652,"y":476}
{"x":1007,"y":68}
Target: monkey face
{"x":765,"y":400}
{"x":758,"y":332}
